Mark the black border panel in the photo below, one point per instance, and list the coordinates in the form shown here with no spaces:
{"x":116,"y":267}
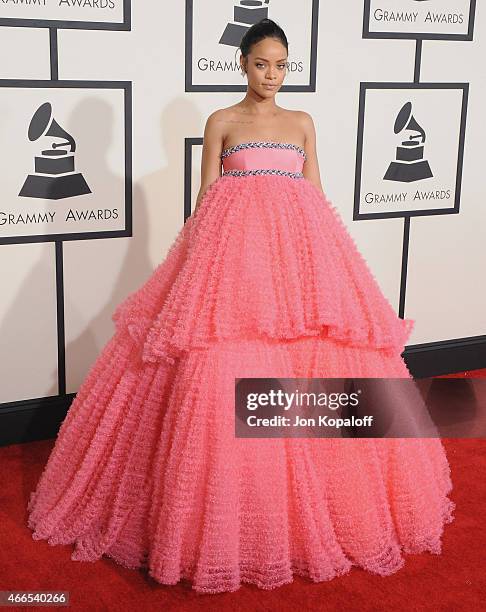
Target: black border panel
{"x":126,"y":86}
{"x":126,"y":24}
{"x":364,"y":86}
{"x":190,"y":86}
{"x":417,"y":35}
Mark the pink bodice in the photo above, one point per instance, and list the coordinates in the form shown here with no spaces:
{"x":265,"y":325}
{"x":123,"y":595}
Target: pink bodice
{"x":263,"y":157}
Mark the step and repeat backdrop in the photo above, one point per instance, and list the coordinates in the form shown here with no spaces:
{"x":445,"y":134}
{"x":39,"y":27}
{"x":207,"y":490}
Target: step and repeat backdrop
{"x":102,"y":110}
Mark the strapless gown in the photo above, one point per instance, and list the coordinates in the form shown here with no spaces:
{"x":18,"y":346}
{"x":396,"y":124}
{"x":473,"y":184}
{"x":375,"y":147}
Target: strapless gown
{"x":263,"y":280}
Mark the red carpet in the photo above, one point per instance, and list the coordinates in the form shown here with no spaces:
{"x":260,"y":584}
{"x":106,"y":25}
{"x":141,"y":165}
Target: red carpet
{"x":468,"y":374}
{"x":455,"y":580}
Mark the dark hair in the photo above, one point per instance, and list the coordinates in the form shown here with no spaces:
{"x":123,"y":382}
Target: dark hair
{"x":265,"y":28}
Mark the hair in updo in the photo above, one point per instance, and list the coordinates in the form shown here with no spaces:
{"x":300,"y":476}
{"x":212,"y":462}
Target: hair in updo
{"x":265,"y":28}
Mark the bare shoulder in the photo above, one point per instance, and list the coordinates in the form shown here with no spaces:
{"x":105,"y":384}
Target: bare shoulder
{"x":215,"y":128}
{"x":221,"y":114}
{"x":302,"y":122}
{"x":305,"y":120}
{"x":216,"y":117}
{"x":306,"y":124}
{"x":218,"y":121}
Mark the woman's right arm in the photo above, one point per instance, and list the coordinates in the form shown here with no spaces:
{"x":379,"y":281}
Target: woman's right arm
{"x":211,"y":160}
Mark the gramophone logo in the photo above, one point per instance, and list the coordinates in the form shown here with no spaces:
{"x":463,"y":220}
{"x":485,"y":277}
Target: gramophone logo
{"x":55,"y":177}
{"x":213,"y":37}
{"x":399,"y":132}
{"x":409,"y":164}
{"x":245,"y":14}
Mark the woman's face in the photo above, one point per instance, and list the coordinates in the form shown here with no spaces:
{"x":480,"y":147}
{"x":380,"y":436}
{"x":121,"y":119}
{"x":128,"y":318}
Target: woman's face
{"x":266,"y":66}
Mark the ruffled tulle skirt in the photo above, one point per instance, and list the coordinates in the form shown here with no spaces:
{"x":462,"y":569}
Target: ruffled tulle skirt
{"x":262,"y":281}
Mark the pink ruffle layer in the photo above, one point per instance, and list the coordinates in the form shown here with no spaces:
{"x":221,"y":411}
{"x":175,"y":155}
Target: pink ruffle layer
{"x":146,"y":468}
{"x":246,"y":266}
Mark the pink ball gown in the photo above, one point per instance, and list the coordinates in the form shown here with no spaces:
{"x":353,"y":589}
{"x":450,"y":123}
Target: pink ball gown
{"x":263,"y":280}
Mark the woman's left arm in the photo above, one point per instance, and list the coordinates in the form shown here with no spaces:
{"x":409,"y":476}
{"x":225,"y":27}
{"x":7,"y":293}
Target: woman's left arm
{"x":311,"y":165}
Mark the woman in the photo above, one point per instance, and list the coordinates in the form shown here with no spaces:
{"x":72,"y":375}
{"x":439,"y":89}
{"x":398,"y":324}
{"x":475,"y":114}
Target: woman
{"x":263,"y":280}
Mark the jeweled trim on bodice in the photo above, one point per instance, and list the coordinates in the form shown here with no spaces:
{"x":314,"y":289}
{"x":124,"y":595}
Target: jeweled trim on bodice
{"x":264,"y":144}
{"x":263,"y":171}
